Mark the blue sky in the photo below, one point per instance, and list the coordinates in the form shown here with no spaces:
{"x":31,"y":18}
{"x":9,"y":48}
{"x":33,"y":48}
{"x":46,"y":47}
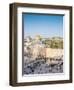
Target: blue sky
{"x":44,"y":25}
